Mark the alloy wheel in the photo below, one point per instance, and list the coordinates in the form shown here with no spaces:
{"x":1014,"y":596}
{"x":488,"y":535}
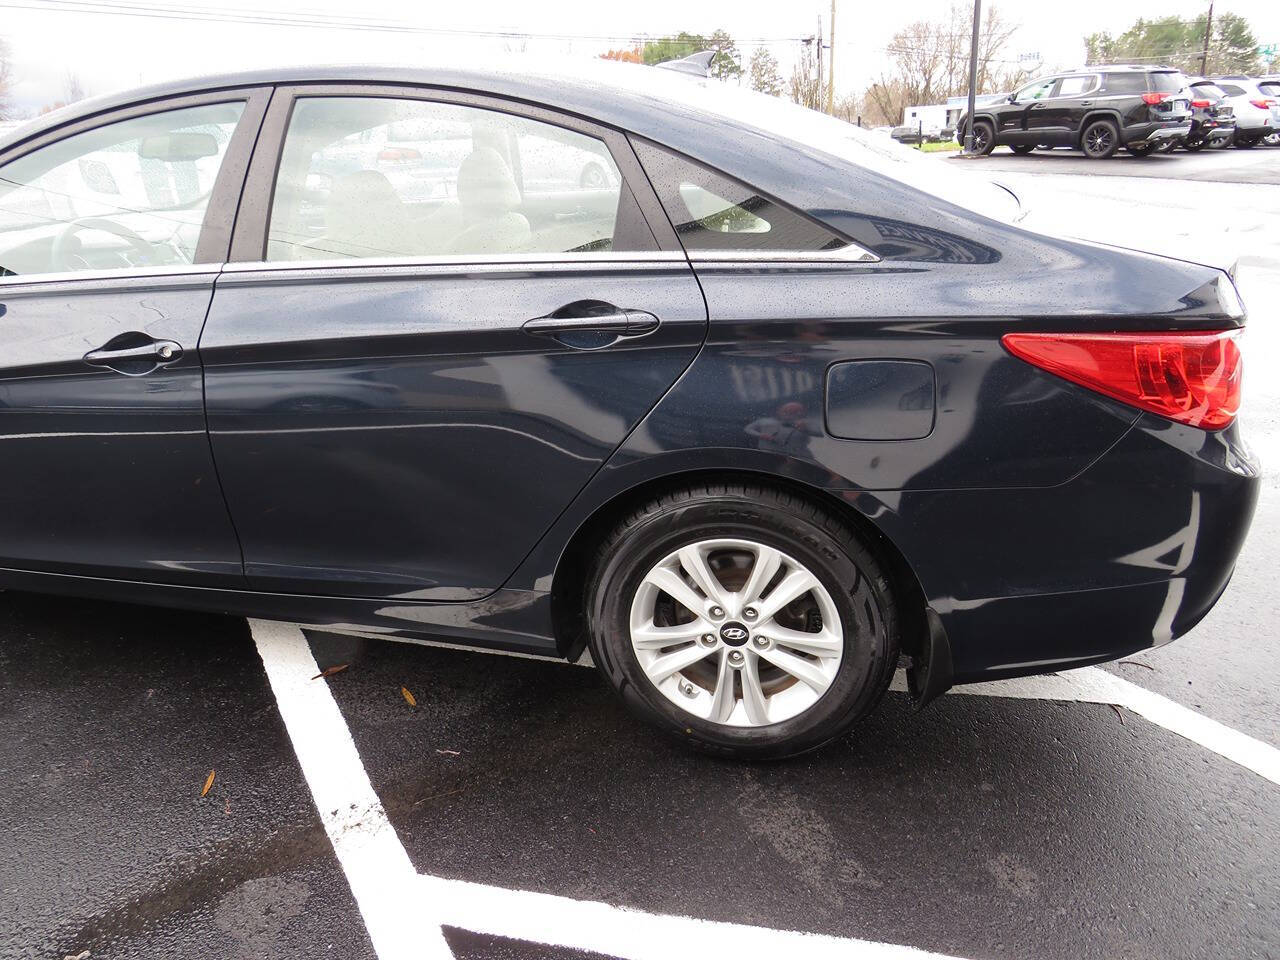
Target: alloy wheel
{"x":736,"y":632}
{"x":1097,"y":140}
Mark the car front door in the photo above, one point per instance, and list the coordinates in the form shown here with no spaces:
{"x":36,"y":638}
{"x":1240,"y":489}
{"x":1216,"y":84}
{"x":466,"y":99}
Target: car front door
{"x":1056,"y":120}
{"x":423,"y":355}
{"x":112,"y":231}
{"x":1015,"y":117}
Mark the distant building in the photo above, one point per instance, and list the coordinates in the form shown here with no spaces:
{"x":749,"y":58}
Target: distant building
{"x":935,"y":118}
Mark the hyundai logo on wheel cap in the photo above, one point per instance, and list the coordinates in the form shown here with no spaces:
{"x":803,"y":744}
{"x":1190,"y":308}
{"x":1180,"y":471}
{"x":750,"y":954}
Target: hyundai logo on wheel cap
{"x":734,"y":634}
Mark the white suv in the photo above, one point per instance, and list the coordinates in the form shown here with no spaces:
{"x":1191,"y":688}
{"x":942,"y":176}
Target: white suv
{"x":1257,"y":112}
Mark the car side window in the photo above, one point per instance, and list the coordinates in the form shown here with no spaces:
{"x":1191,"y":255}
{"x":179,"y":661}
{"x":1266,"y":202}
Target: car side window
{"x":1126,"y":83}
{"x":378,"y":177}
{"x":1231,"y":90}
{"x":1074,"y":86}
{"x":711,"y":211}
{"x":123,"y":195}
{"x":1035,"y":91}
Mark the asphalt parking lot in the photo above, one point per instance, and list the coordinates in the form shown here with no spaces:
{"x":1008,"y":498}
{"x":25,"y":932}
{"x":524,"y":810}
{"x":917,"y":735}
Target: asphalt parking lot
{"x":1224,"y":165}
{"x":424,"y":802}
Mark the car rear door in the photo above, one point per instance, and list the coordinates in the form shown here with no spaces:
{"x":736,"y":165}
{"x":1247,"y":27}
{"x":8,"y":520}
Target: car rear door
{"x":419,"y":358}
{"x":112,"y":230}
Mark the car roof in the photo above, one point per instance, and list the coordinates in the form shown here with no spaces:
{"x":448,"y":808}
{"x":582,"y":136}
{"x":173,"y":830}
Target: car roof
{"x":611,"y":92}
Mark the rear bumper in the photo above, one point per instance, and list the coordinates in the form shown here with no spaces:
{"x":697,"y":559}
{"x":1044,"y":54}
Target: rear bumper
{"x":1155,"y":132}
{"x":1127,"y":556}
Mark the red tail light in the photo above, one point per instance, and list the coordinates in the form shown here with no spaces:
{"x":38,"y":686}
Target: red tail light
{"x":1202,"y":104}
{"x":1153,"y":98}
{"x":1193,"y":378}
{"x":1261,"y":104}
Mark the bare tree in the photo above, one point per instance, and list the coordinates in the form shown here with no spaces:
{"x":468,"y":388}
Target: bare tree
{"x":803,"y":86}
{"x":930,"y":62}
{"x":74,"y":89}
{"x":6,"y":79}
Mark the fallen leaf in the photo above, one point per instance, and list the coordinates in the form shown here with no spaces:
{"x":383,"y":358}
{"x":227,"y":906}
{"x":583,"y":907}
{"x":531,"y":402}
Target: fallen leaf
{"x":1118,"y":713}
{"x":450,"y":753}
{"x":207,"y":785}
{"x":330,"y":671}
{"x":408,"y":697}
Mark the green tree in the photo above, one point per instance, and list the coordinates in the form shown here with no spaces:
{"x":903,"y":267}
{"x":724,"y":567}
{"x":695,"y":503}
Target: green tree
{"x":763,"y":74}
{"x":1171,"y":41}
{"x":673,"y":48}
{"x":725,"y":65}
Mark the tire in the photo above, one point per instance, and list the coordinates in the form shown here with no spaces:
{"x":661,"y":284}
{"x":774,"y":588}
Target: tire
{"x":1099,"y":140}
{"x":1193,"y":145}
{"x":1022,"y":149}
{"x":1166,"y":146}
{"x":984,"y":138}
{"x":733,"y":528}
{"x":1246,"y":143}
{"x":1142,"y":150}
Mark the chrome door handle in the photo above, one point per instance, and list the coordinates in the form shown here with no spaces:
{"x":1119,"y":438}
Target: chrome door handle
{"x":593,"y":316}
{"x":134,"y":354}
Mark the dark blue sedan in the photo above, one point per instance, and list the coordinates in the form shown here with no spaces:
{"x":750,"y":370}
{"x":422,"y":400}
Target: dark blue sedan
{"x":744,"y":401}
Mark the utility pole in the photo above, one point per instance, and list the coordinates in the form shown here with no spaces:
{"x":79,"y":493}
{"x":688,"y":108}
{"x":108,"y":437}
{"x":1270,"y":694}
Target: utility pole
{"x":817,"y":42}
{"x":831,"y":65}
{"x":973,"y":77}
{"x":1204,"y":54}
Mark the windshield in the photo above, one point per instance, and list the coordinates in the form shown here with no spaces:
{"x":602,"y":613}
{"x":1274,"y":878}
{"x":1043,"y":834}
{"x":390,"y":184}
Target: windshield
{"x":1208,"y":90}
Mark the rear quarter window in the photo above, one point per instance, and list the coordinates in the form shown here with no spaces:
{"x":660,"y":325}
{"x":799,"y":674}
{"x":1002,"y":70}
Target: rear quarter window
{"x":1126,"y":83}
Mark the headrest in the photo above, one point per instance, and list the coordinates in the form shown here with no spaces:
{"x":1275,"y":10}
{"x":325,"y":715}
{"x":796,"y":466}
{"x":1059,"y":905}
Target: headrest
{"x":485,"y":184}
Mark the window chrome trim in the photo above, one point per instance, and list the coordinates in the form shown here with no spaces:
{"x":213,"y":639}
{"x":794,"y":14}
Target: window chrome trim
{"x":849,"y":253}
{"x":116,"y":273}
{"x":500,"y":260}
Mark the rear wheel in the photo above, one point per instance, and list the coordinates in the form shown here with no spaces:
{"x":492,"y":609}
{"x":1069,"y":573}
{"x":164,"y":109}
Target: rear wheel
{"x":1245,"y":143}
{"x":1023,"y":148}
{"x":1193,"y":145}
{"x":1100,"y":140}
{"x":743,"y":620}
{"x":1141,"y":149}
{"x":1166,"y":146}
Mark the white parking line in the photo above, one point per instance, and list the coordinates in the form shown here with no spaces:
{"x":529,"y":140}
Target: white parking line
{"x":404,"y":911}
{"x":1091,"y":685}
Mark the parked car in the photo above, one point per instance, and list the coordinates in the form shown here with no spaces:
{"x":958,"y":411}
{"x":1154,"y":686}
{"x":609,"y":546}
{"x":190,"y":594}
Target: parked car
{"x":775,"y":406}
{"x":1257,"y":115}
{"x":1097,"y":111}
{"x":1212,"y":118}
{"x":1270,"y":86}
{"x":906,"y":134}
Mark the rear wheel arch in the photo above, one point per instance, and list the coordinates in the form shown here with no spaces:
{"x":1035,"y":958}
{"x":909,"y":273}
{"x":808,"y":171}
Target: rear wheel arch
{"x":573,"y":569}
{"x":1093,"y":115}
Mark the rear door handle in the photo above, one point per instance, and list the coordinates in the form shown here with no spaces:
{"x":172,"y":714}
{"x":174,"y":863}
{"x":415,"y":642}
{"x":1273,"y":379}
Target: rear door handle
{"x":134,"y":354}
{"x":1086,"y":103}
{"x":593,"y":316}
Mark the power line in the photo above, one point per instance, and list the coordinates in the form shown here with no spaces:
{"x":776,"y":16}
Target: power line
{"x":323,"y":21}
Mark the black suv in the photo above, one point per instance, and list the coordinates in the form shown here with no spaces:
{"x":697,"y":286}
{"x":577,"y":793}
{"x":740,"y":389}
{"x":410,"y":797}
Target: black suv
{"x":1096,"y":109}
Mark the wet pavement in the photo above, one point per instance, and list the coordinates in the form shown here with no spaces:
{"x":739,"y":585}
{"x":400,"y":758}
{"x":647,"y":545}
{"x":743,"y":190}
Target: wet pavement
{"x":984,"y":827}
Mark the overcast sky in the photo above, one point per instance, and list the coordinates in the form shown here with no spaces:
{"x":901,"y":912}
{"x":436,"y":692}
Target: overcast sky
{"x":49,"y":39}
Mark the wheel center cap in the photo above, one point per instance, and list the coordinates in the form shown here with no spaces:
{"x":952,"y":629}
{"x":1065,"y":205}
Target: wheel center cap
{"x":734,"y":634}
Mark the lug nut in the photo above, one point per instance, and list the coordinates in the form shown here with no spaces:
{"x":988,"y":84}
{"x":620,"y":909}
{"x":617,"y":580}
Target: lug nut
{"x":735,"y":657}
{"x":717,"y":612}
{"x":760,"y":642}
{"x":708,"y":639}
{"x":749,"y":613}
